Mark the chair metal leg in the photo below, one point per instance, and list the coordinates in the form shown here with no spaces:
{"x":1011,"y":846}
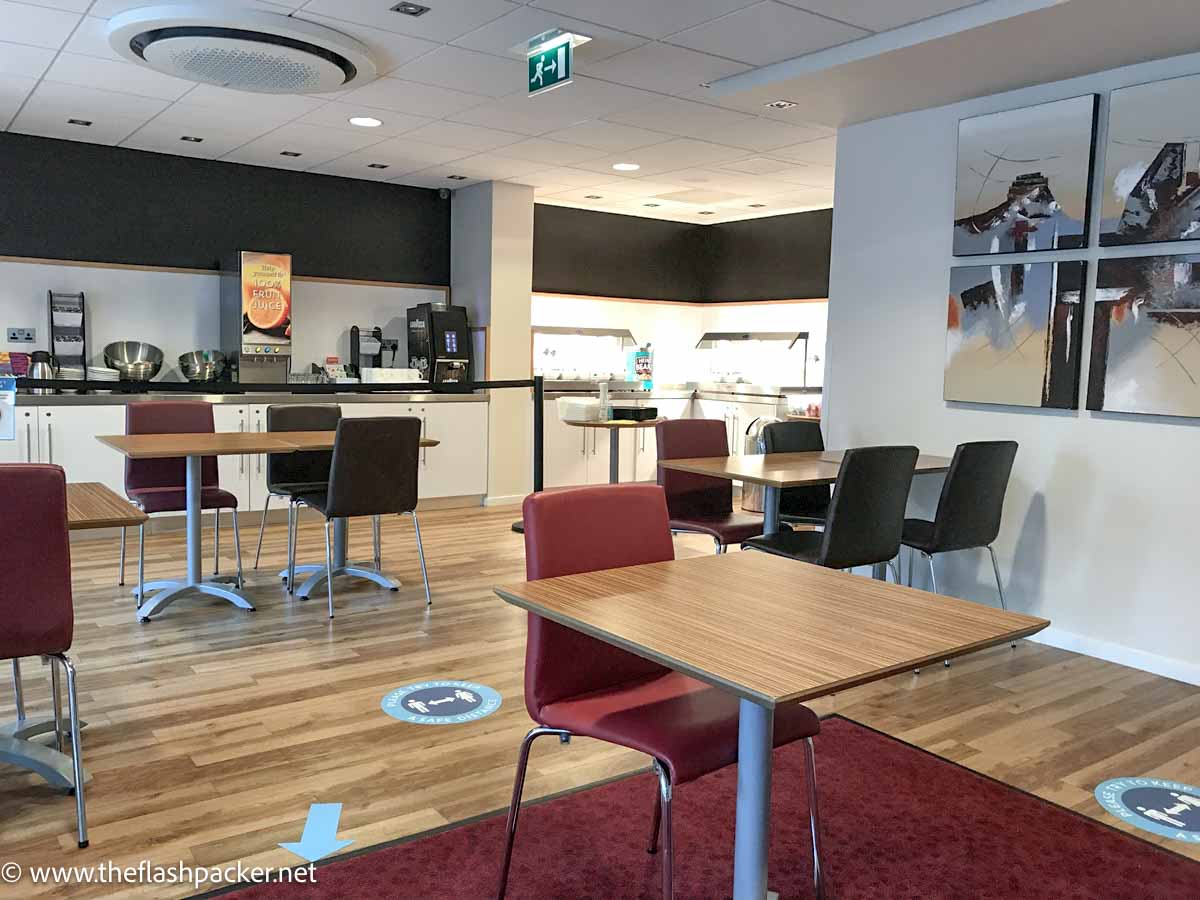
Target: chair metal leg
{"x":216,"y":542}
{"x":293,"y":527}
{"x":141,"y":563}
{"x":237,"y":549}
{"x":999,"y":585}
{"x":894,"y":565}
{"x":261,"y":527}
{"x":814,"y":817}
{"x":668,"y":854}
{"x":656,"y":823}
{"x":932,"y":573}
{"x":376,"y":543}
{"x":421,"y":556}
{"x":18,"y":690}
{"x":76,"y":748}
{"x":720,"y":546}
{"x":329,"y":565}
{"x":56,"y":700}
{"x":121,"y":570}
{"x":514,"y":809}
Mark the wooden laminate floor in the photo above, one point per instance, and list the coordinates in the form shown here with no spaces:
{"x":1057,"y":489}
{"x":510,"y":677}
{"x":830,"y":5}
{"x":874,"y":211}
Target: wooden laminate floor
{"x":212,"y":730}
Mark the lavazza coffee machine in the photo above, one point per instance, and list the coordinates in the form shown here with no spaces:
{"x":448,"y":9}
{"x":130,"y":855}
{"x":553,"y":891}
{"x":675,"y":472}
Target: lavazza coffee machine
{"x":439,"y":343}
{"x":256,"y":316}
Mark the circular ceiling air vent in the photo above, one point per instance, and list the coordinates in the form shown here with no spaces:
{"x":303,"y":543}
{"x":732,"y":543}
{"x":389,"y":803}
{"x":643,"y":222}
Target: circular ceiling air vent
{"x":242,"y":49}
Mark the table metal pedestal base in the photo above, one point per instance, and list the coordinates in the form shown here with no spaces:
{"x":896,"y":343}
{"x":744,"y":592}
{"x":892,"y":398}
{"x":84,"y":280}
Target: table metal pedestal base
{"x":51,"y":765}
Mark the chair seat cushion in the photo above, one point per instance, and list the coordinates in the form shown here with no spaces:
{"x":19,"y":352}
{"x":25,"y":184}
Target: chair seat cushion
{"x":804,"y":546}
{"x":730,"y":528}
{"x":918,"y":533}
{"x":292,"y":489}
{"x":174,"y":499}
{"x":318,"y":499}
{"x":690,"y":727}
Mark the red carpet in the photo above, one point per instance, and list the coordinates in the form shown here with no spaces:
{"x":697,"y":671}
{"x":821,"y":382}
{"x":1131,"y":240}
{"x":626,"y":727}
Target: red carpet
{"x":898,"y":823}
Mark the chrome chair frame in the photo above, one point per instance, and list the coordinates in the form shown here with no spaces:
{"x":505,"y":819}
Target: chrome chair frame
{"x":661,"y":823}
{"x":139,"y":593}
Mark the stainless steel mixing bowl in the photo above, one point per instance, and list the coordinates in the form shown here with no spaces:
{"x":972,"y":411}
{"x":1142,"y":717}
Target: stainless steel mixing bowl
{"x":202,"y":365}
{"x":133,"y":360}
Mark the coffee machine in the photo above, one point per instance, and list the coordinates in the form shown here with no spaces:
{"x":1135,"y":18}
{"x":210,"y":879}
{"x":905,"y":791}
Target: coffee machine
{"x":256,"y":316}
{"x":439,"y":343}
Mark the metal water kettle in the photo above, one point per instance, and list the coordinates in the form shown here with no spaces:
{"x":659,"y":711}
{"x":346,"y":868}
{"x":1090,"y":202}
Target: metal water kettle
{"x":42,"y":365}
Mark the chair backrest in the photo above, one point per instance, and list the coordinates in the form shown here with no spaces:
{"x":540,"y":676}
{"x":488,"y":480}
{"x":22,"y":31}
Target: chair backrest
{"x":690,"y":495}
{"x":311,"y":466}
{"x":582,"y":530}
{"x":797,"y":437}
{"x":36,"y":615}
{"x":972,"y":500}
{"x":168,"y":417}
{"x":866,"y":513}
{"x":374,"y":467}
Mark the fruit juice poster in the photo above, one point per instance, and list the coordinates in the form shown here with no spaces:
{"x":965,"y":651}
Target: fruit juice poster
{"x":267,"y":297}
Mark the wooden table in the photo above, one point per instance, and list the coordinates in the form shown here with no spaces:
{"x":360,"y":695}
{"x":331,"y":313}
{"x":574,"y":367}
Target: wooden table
{"x":91,"y":504}
{"x":776,"y":471}
{"x":194,"y":447}
{"x":770,"y":631}
{"x":615,"y":427}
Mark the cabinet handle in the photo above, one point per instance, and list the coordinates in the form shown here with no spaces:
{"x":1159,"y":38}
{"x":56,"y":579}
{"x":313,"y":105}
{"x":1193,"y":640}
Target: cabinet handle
{"x":242,"y":458}
{"x":28,"y":442}
{"x":595,"y":435}
{"x":50,"y":442}
{"x":424,"y":450}
{"x":583,"y":449}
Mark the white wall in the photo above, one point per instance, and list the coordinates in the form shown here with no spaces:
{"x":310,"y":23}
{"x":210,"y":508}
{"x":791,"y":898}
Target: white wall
{"x":1100,"y":525}
{"x":177,"y":312}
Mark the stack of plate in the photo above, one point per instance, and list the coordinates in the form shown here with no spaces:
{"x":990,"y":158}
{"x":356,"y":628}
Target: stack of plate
{"x":100,"y":373}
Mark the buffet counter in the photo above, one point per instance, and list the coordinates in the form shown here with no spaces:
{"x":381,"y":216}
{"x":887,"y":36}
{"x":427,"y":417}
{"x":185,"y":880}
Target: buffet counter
{"x":116,"y":398}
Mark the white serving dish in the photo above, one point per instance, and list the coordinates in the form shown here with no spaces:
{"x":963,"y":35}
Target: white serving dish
{"x":389,"y":376}
{"x":579,"y":409}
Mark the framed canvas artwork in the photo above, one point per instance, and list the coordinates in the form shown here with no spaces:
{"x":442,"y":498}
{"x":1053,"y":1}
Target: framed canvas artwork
{"x":1146,"y":336}
{"x":1013,"y":334}
{"x":1024,"y":178}
{"x":1152,"y":164}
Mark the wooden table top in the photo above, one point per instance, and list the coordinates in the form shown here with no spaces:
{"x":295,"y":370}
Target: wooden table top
{"x":91,"y":504}
{"x":765,"y":628}
{"x":222,"y":443}
{"x":616,"y":423}
{"x":783,"y":470}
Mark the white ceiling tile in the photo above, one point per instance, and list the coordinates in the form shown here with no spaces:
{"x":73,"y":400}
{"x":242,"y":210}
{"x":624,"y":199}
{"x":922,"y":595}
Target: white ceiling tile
{"x":490,"y":167}
{"x":540,"y":190}
{"x":200,"y":120}
{"x":13,"y":91}
{"x":879,"y":16}
{"x":388,"y":49}
{"x":404,"y":155}
{"x":78,"y":6}
{"x":810,"y":176}
{"x":337,"y":115}
{"x":166,"y":137}
{"x":684,"y":118}
{"x":551,"y":152}
{"x":91,"y":39}
{"x":264,"y":153}
{"x":37,"y":26}
{"x":562,"y":175}
{"x":652,"y":18}
{"x":757,"y":133}
{"x":106,"y":9}
{"x":466,"y":70}
{"x":313,"y":140}
{"x":822,"y":151}
{"x":445,"y":21}
{"x":667,"y":156}
{"x":610,"y":136}
{"x":49,"y":123}
{"x":72,"y":101}
{"x":466,"y":137}
{"x":124,"y":77}
{"x":758,"y":165}
{"x":357,"y":165}
{"x":24,"y":60}
{"x":663,"y":67}
{"x":413,"y":98}
{"x":274,"y":106}
{"x":436,"y":178}
{"x":766,"y":32}
{"x":585,"y":98}
{"x":516,"y":28}
{"x":591,"y":196}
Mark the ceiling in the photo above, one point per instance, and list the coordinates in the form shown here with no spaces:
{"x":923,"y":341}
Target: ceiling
{"x":453,"y":99}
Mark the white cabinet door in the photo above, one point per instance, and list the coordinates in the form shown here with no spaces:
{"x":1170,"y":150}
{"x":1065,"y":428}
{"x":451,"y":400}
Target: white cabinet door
{"x":67,"y":438}
{"x":25,"y":448}
{"x":235,"y":473}
{"x":458,"y":466}
{"x":597,"y":454}
{"x":646,"y":456}
{"x":564,"y":451}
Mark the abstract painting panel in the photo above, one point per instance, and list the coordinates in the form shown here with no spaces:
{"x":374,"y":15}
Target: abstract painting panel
{"x":1146,"y":336}
{"x":1152,"y":166}
{"x":1013,"y":334}
{"x":1024,"y":178}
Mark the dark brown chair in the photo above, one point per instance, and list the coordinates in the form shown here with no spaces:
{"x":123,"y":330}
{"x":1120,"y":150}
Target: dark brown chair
{"x":701,"y":504}
{"x":373,"y":473}
{"x":801,"y":505}
{"x":289,"y":474}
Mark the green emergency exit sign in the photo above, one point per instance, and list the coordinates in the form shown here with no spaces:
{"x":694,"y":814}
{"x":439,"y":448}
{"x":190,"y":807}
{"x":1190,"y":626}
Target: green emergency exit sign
{"x":550,"y":65}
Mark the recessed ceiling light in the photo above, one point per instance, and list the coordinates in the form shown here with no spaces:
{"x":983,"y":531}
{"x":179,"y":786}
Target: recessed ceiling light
{"x":365,"y":121}
{"x":192,"y":140}
{"x":706,"y":212}
{"x":457,"y":177}
{"x":626,"y":167}
{"x":86,"y":123}
{"x":779,"y":104}
{"x":757,"y":205}
{"x":594,"y":197}
{"x":651,"y":204}
{"x":377,"y":165}
{"x":290,"y":153}
{"x":410,"y":9}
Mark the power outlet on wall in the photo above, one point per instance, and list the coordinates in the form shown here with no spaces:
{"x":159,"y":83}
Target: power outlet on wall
{"x":22,"y":335}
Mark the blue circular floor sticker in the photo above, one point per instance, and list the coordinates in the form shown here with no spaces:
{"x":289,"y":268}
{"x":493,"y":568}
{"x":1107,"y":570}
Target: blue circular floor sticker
{"x":441,"y":702}
{"x":1167,"y":808}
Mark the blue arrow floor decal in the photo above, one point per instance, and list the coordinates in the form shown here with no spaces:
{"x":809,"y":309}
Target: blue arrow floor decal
{"x":320,"y":833}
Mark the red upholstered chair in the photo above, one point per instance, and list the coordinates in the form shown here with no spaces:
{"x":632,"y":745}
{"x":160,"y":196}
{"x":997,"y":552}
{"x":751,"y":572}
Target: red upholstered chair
{"x":159,"y":485}
{"x":36,"y":613}
{"x":701,"y":503}
{"x":577,"y":685}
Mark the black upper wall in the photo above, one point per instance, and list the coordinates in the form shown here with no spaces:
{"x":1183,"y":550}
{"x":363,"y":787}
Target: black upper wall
{"x":578,"y":251}
{"x":69,"y":200}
